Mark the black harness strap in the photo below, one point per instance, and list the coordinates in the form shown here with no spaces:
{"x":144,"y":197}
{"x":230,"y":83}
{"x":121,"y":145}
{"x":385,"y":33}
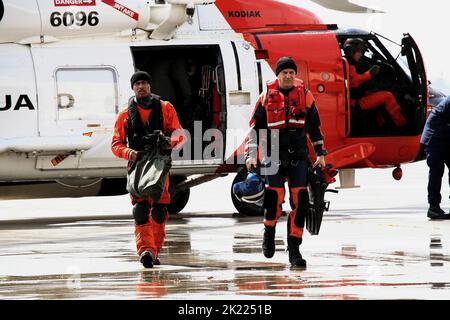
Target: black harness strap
{"x":136,"y":129}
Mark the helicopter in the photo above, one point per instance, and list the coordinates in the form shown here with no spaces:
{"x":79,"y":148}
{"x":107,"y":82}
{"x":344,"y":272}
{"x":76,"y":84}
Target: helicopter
{"x":65,"y":67}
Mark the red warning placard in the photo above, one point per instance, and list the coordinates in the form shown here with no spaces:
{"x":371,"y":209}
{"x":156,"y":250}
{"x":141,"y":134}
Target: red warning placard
{"x":67,"y":3}
{"x":119,"y":7}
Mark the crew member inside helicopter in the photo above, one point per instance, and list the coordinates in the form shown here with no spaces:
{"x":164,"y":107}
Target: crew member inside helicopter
{"x":363,"y":94}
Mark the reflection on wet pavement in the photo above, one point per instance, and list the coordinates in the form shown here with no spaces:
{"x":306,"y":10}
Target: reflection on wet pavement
{"x":218,"y":256}
{"x":437,"y":256}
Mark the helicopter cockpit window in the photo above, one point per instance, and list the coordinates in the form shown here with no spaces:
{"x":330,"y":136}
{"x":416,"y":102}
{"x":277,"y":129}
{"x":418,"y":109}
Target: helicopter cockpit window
{"x":374,"y":102}
{"x":374,"y":55}
{"x":86,"y":94}
{"x":395,"y":50}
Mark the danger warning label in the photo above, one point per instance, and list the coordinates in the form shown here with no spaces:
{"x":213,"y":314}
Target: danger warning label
{"x":66,"y":3}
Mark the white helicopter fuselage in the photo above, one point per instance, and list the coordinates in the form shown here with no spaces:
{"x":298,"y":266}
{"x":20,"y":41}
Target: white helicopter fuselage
{"x":65,"y":75}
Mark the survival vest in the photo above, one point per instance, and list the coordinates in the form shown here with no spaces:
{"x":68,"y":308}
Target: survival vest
{"x":136,"y":129}
{"x":285,"y":112}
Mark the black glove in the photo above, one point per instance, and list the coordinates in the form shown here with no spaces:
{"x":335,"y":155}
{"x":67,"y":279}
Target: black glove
{"x":151,"y":139}
{"x":165,"y":142}
{"x":157,"y":138}
{"x":375,"y":70}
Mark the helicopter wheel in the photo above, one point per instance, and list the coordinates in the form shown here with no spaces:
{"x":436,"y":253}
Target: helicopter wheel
{"x":179,"y":199}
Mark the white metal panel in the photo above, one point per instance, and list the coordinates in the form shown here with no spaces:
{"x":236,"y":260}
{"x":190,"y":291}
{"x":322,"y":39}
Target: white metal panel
{"x":17,"y":88}
{"x":97,"y":18}
{"x":45,"y":21}
{"x":230,"y":67}
{"x":267,"y":73}
{"x":26,"y":20}
{"x":49,"y":59}
{"x":211,"y":18}
{"x":242,"y":91}
{"x":25,"y":11}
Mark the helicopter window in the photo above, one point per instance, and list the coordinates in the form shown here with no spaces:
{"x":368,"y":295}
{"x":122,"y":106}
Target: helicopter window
{"x":404,"y":64}
{"x":86,"y":93}
{"x":393,"y":47}
{"x":373,"y":55}
{"x":395,"y":50}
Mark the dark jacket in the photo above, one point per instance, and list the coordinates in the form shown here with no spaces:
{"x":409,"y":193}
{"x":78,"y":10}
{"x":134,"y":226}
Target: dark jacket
{"x":437,"y":126}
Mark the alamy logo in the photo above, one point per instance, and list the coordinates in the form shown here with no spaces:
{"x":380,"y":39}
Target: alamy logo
{"x":210,"y":145}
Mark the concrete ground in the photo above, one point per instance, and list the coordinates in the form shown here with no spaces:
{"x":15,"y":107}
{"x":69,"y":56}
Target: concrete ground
{"x":375,"y":243}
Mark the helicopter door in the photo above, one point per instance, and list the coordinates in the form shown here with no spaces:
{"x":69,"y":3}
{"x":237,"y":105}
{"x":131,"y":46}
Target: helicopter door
{"x":419,"y":77}
{"x":78,"y":94}
{"x":241,"y":87}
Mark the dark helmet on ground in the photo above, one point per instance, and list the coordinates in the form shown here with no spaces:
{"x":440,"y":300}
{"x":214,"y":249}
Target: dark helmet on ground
{"x":351,"y":45}
{"x":251,"y":190}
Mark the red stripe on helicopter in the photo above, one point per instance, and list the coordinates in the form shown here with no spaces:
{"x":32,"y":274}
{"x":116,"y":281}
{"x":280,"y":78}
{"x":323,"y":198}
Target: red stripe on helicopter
{"x":67,"y":3}
{"x":119,"y":7}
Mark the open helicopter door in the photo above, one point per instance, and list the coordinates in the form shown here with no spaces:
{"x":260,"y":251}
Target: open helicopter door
{"x":241,"y":87}
{"x":416,"y":65}
{"x":191,"y":77}
{"x":79,"y":94}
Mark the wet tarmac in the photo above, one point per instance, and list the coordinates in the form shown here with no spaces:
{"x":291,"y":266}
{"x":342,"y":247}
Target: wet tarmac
{"x":375,"y":243}
{"x":359,"y":254}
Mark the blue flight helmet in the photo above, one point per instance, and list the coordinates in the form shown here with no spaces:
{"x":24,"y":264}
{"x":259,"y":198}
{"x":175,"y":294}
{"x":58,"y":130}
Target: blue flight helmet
{"x":251,"y":190}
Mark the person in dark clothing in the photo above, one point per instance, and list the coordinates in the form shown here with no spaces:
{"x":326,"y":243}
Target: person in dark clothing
{"x":436,"y":140}
{"x":286,"y":109}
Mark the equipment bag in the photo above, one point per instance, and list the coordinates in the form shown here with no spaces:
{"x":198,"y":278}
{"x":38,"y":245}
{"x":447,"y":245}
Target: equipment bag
{"x":147,"y":175}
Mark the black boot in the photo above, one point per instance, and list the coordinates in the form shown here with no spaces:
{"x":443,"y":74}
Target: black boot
{"x":295,"y":257}
{"x":268,"y":245}
{"x":146,"y":259}
{"x":436,"y":213}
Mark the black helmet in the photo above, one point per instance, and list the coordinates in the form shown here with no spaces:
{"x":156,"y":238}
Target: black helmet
{"x":351,"y":45}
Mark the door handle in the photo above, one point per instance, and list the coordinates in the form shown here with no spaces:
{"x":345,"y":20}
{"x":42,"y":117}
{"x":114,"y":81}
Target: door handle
{"x":217,"y":79}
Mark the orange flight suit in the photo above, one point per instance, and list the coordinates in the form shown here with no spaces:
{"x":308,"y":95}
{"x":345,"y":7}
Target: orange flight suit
{"x":149,"y":236}
{"x":373,"y":100}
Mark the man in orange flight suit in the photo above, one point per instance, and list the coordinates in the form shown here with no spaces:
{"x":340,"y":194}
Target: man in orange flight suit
{"x":146,"y":114}
{"x":287,"y":109}
{"x":354,"y":49}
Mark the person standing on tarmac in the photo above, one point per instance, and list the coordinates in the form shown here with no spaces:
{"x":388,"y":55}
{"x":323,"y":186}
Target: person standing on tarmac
{"x":146,"y":114}
{"x":354,"y":50}
{"x":436,"y":140}
{"x":288,"y":109}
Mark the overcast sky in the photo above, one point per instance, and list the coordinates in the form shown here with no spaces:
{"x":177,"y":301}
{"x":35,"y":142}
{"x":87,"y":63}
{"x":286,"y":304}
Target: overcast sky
{"x":424,"y":20}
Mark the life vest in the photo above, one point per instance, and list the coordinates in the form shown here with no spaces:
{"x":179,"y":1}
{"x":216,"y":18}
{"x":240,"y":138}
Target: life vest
{"x":136,"y":129}
{"x":285,"y":112}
